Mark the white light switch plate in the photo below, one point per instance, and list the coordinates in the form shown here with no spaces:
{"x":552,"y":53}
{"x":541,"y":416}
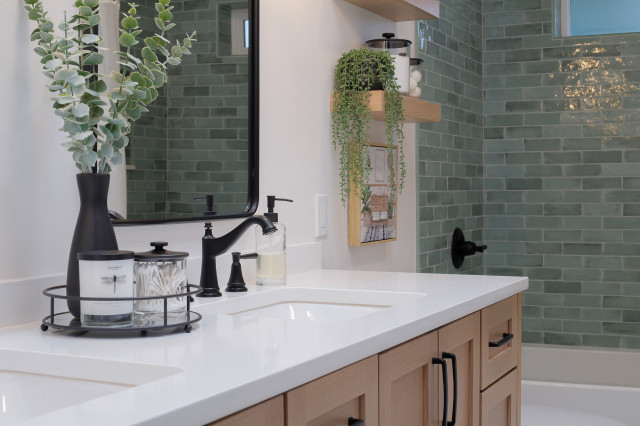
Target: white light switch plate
{"x":322,"y":215}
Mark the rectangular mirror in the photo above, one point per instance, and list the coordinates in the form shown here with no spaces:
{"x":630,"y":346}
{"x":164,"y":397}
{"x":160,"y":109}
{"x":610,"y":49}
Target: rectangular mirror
{"x":200,"y":136}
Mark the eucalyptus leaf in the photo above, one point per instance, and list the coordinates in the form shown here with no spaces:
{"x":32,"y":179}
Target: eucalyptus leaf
{"x":150,"y":42}
{"x":40,"y":51}
{"x":80,"y":110}
{"x":106,"y":150}
{"x":119,"y":143}
{"x":82,"y":136}
{"x":46,"y":37}
{"x":94,"y":20}
{"x":117,"y":121}
{"x":173,"y":61}
{"x":148,"y":54}
{"x":134,"y":113}
{"x":91,"y":38}
{"x":158,"y":22}
{"x":139,"y":94}
{"x":127,"y":64}
{"x":47,"y":26}
{"x":116,"y":95}
{"x":116,"y":158}
{"x":88,"y":158}
{"x":107,"y":133}
{"x":66,"y":74}
{"x":98,"y":86}
{"x":53,"y":64}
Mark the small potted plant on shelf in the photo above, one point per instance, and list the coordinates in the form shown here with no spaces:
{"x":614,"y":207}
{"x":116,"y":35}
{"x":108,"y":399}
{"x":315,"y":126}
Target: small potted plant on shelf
{"x":357,"y":72}
{"x":96,"y":119}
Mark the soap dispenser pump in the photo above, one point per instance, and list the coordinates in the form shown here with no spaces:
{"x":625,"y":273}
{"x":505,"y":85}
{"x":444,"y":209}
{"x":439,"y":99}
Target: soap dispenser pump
{"x":271,"y":268}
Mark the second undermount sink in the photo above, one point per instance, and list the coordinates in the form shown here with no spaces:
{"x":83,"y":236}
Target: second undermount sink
{"x":35,"y":383}
{"x":310,"y":304}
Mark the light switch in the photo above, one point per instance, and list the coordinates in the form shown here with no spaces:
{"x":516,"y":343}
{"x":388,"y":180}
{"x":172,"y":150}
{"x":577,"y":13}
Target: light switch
{"x":322,"y":215}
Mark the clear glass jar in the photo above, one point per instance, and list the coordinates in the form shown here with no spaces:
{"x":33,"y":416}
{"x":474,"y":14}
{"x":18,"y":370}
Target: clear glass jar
{"x":160,"y":272}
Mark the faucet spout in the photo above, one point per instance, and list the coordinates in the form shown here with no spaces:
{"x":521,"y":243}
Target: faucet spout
{"x":213,"y":247}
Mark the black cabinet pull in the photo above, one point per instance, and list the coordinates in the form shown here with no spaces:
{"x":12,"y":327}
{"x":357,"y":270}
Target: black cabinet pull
{"x":506,"y":338}
{"x":355,"y":422}
{"x":445,"y":387}
{"x":454,"y":365}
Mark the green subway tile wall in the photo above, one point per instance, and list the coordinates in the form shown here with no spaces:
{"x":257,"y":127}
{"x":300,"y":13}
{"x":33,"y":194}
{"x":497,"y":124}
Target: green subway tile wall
{"x":449,"y":153}
{"x":562,"y":154}
{"x":194,"y":141}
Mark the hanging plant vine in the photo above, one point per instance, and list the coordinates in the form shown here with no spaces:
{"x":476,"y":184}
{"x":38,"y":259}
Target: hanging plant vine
{"x":355,"y":74}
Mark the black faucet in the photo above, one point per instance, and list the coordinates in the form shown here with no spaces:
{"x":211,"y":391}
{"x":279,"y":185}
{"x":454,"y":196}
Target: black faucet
{"x":212,"y":247}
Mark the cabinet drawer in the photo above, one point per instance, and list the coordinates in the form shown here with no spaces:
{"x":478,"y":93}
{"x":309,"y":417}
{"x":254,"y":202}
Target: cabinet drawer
{"x":498,"y":403}
{"x":332,"y":399}
{"x":269,"y":413}
{"x":499,"y":355}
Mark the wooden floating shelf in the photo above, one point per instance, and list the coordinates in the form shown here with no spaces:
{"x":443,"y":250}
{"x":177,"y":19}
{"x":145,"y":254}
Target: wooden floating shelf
{"x":415,"y":110}
{"x":401,"y":10}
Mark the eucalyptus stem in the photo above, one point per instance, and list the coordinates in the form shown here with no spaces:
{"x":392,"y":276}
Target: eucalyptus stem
{"x":98,"y":122}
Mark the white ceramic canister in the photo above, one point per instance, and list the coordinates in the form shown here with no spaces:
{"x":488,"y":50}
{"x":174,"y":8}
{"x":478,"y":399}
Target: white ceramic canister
{"x":399,"y":51}
{"x":106,"y":274}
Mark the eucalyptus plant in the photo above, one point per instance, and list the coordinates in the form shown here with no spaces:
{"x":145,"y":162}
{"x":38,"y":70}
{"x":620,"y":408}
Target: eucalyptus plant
{"x":97,"y":120}
{"x":355,"y":74}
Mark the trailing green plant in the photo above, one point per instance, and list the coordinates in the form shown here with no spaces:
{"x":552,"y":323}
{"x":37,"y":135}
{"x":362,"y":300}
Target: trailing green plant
{"x":365,"y":197}
{"x":98,"y":121}
{"x":355,"y":73}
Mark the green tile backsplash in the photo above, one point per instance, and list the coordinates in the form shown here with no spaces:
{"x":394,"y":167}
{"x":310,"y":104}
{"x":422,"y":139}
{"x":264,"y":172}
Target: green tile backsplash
{"x":558,"y":127}
{"x":449,"y":153}
{"x":560,"y":142}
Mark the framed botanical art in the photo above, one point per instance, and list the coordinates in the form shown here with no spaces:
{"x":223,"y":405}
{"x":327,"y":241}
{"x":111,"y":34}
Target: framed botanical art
{"x":373,"y":209}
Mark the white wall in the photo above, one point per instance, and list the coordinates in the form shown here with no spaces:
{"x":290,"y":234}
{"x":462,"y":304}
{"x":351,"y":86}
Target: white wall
{"x":300,"y":43}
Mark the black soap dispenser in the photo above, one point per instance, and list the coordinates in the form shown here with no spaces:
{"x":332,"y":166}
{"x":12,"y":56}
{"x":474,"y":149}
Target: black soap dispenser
{"x":271,"y":267}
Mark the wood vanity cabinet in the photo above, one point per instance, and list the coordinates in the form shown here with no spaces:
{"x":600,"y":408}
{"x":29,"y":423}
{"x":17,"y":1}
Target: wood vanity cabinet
{"x":404,"y":386}
{"x":411,"y":385}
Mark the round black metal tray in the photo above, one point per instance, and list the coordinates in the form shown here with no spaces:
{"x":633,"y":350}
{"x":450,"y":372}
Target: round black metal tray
{"x":141,"y":324}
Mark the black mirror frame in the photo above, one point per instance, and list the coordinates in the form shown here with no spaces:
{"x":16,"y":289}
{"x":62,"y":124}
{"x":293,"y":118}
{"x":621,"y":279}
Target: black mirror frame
{"x":253,"y":193}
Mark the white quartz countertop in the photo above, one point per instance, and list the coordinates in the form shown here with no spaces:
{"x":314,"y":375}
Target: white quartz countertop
{"x":229,"y":362}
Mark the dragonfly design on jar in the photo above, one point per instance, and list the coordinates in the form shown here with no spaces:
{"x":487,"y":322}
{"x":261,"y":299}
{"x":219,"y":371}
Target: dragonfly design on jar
{"x":115,"y":279}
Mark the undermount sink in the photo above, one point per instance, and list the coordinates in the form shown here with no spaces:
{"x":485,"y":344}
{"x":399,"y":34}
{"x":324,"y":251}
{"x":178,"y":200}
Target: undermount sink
{"x":310,"y":304}
{"x":31,"y":382}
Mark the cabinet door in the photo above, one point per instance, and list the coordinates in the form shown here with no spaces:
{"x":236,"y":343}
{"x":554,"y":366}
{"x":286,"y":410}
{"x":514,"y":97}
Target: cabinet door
{"x":500,"y":402}
{"x":409,"y":383}
{"x":462,"y":338}
{"x":268,"y":413}
{"x":331,"y":400}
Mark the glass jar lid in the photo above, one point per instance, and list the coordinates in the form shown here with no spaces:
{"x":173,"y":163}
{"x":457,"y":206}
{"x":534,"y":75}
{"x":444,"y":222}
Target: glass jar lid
{"x":160,"y":254}
{"x":388,"y":42}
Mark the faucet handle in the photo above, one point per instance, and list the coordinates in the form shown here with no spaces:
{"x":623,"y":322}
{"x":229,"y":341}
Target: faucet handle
{"x":236,"y":280}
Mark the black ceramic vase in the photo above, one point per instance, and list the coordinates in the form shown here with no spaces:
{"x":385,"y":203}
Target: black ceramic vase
{"x":94,"y":230}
